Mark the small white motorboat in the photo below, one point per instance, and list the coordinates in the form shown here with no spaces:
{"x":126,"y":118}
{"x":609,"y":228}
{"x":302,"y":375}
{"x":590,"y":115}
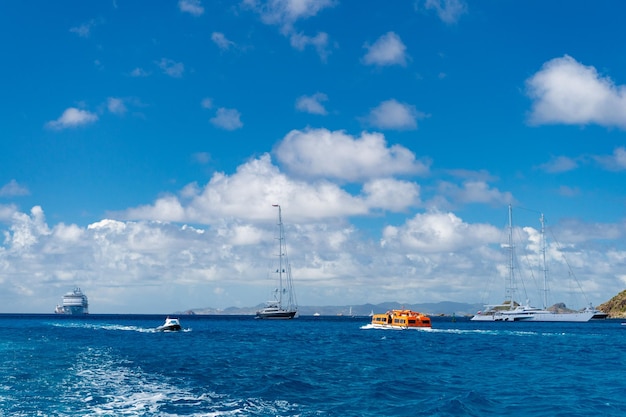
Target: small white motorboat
{"x":170,"y":325}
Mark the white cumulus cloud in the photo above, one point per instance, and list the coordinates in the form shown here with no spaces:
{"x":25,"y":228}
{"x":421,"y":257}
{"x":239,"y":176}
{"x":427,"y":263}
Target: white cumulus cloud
{"x":436,"y":231}
{"x":193,"y":7}
{"x":387,"y":50}
{"x":247,"y":193}
{"x":392,"y":114}
{"x":72,"y":117}
{"x":391,"y":194}
{"x":337,"y":155}
{"x":312,"y":104}
{"x":565,"y":91}
{"x":227,"y":119}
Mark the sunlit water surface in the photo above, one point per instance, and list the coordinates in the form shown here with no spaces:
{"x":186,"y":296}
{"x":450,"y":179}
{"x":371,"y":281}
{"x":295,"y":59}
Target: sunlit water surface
{"x":117,"y":365}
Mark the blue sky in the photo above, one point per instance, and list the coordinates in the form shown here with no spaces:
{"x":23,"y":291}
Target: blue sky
{"x":144,"y":144}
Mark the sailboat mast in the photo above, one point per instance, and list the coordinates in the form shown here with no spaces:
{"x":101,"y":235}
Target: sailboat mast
{"x":511,"y":259}
{"x":545,"y":265}
{"x":280,"y":255}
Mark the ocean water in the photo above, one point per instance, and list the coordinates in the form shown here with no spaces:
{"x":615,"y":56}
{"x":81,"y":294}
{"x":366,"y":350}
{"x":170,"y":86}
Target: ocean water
{"x":117,"y":365}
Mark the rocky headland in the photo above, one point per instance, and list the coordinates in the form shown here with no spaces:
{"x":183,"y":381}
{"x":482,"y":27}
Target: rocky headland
{"x":615,"y":307}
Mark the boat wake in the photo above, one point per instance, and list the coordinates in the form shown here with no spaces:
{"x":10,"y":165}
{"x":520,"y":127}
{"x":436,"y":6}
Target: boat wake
{"x":489,"y":332}
{"x":115,"y":327}
{"x":102,"y":384}
{"x":378,"y":327}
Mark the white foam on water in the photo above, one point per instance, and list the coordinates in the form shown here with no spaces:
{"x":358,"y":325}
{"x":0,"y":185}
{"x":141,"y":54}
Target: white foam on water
{"x":104,"y":385}
{"x":113,"y":327}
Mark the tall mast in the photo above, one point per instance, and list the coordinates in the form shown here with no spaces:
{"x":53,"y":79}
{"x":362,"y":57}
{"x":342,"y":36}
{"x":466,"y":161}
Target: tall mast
{"x":545,"y":265}
{"x":511,"y":259}
{"x":280,"y":254}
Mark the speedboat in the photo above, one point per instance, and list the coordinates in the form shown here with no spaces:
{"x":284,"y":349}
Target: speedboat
{"x":170,"y":325}
{"x":401,"y":320}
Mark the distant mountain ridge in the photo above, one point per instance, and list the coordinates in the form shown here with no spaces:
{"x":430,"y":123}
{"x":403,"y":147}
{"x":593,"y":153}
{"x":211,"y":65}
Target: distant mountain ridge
{"x":446,"y":308}
{"x":615,"y":307}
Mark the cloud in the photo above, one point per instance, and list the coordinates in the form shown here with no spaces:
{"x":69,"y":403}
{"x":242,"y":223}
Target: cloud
{"x":206,"y":103}
{"x":7,"y":212}
{"x":320,"y":153}
{"x":474,"y":191}
{"x":193,"y":7}
{"x":220,"y":40}
{"x":559,"y":164}
{"x":438,"y":232}
{"x":449,"y":11}
{"x":320,"y":42}
{"x":567,"y":92}
{"x":201,"y":158}
{"x":312,"y":104}
{"x":614,"y":162}
{"x":391,"y":194}
{"x":72,"y":117}
{"x":13,"y":189}
{"x":125,"y":265}
{"x":84,"y":30}
{"x":26,"y":230}
{"x":246,"y":194}
{"x":139,"y":72}
{"x":387,"y":50}
{"x":285,"y":13}
{"x":392,"y":114}
{"x":227,"y":119}
{"x":172,"y":68}
{"x":116,"y":105}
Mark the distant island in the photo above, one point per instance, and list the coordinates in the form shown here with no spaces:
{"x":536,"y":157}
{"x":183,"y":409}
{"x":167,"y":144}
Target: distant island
{"x":444,"y":308}
{"x":615,"y":308}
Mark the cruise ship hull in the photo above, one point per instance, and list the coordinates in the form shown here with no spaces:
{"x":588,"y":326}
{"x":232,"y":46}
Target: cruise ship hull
{"x":74,"y":303}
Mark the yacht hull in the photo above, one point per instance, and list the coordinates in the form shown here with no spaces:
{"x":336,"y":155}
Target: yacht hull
{"x":543,"y":316}
{"x":276,"y":315}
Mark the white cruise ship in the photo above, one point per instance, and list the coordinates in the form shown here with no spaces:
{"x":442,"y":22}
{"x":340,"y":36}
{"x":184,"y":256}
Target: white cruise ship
{"x":74,"y":302}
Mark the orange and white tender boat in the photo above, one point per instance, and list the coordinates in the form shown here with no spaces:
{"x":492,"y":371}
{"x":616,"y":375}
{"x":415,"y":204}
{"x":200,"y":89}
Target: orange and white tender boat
{"x":401,"y":320}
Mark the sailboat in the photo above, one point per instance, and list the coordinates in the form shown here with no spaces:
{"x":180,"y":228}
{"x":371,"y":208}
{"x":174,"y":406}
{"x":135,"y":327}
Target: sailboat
{"x":284,"y":305}
{"x":511,"y":310}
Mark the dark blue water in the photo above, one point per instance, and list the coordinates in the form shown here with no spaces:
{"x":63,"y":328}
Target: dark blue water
{"x":237,"y":366}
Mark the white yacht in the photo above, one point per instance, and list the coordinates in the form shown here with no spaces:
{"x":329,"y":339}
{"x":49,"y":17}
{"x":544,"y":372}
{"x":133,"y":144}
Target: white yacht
{"x":511,"y":311}
{"x":529,"y":313}
{"x":284,"y":305}
{"x":74,"y":302}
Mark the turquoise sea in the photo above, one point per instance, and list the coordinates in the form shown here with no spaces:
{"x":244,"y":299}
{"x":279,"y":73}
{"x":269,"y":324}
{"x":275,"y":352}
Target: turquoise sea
{"x":117,"y":365}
